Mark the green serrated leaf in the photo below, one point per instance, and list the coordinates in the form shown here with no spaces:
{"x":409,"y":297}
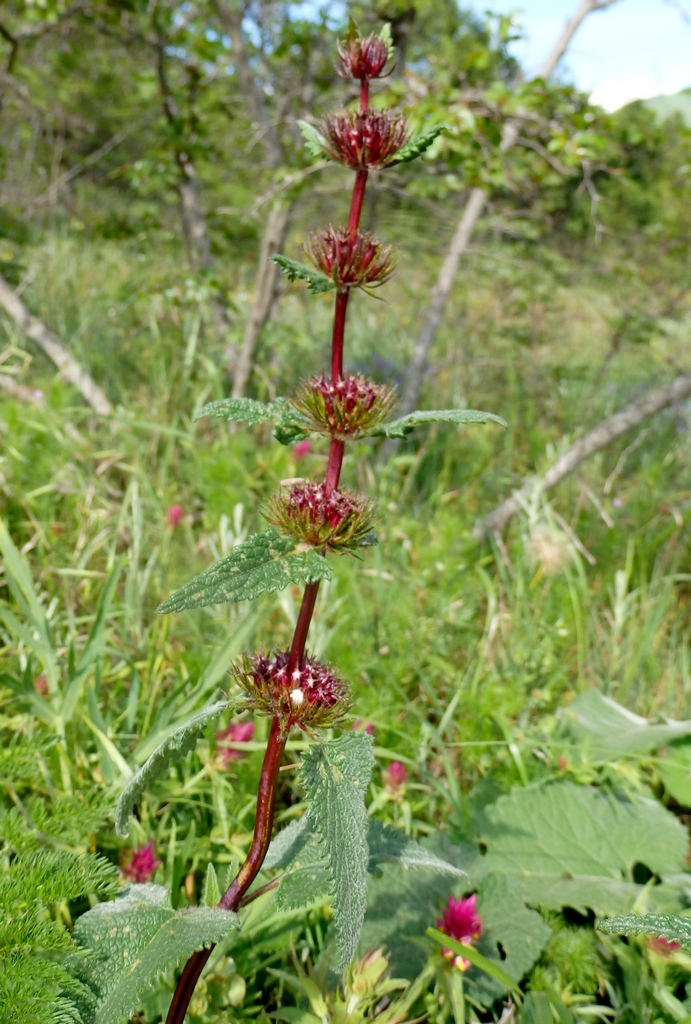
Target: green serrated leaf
{"x":295,"y":271}
{"x":263,"y":564}
{"x":393,"y":846}
{"x":314,"y":142}
{"x":417,"y":146}
{"x":386,"y":37}
{"x":124,"y":945}
{"x":211,"y":892}
{"x":335,"y":776}
{"x":308,"y":879}
{"x":241,"y":410}
{"x":672,"y":927}
{"x":287,"y":844}
{"x":402,"y":427}
{"x":173,"y":748}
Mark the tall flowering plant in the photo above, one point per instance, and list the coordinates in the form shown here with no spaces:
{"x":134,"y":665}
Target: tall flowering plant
{"x":308,"y":521}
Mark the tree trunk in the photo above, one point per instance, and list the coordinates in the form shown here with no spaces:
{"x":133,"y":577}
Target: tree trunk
{"x":194,"y":226}
{"x":54,"y":349}
{"x":466,"y":226}
{"x":267,"y":279}
{"x":611,"y":428}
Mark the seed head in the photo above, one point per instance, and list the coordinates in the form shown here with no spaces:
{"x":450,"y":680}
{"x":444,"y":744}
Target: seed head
{"x":363,"y":57}
{"x":364,"y":141}
{"x":344,"y":408}
{"x":362,"y":261}
{"x":337,"y":521}
{"x":310,"y":697}
{"x":460,"y":921}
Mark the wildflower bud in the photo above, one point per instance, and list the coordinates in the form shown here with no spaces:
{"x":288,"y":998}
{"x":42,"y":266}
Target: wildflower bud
{"x":311,"y":696}
{"x":363,"y":57}
{"x":364,"y":141}
{"x":174,"y":516}
{"x":395,"y":777}
{"x":336,"y":521}
{"x":350,"y":262}
{"x":345,"y":408}
{"x":301,"y":449}
{"x":460,"y":921}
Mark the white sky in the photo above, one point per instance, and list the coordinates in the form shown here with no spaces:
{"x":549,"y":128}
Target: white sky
{"x":632,"y":50}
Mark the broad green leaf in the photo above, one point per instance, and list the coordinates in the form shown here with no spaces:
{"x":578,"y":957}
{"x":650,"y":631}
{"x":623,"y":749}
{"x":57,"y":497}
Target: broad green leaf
{"x":477,"y":959}
{"x":402,"y":427}
{"x":124,"y":945}
{"x":313,"y":139}
{"x":393,"y":846}
{"x":675,"y":772}
{"x":565,"y":829}
{"x":506,"y":920}
{"x":335,"y":776}
{"x":173,"y":748}
{"x":417,"y":146}
{"x":264,"y":563}
{"x":295,"y":271}
{"x":667,"y":926}
{"x":607,"y":730}
{"x":308,"y":879}
{"x":599,"y":893}
{"x":241,"y":410}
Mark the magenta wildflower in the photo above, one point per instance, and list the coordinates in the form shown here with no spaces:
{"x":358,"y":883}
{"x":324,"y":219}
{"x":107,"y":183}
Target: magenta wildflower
{"x":140,"y":865}
{"x":663,"y":947}
{"x":301,"y":449}
{"x":41,"y":684}
{"x":364,"y":141}
{"x":311,"y":696}
{"x":359,"y":724}
{"x":460,"y":921}
{"x":344,"y":408}
{"x":338,"y":520}
{"x":395,"y":777}
{"x":350,"y":261}
{"x":236,"y":732}
{"x":174,"y":516}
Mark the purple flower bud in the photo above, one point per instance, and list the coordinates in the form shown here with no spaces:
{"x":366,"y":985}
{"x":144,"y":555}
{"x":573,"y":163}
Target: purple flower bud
{"x":310,"y":696}
{"x":339,"y":520}
{"x":350,"y":262}
{"x":344,"y":408}
{"x":140,"y":865}
{"x":363,"y":57}
{"x":460,"y":921}
{"x":236,"y":732}
{"x":364,"y":141}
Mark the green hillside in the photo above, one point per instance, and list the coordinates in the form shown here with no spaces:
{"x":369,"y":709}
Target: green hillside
{"x":678,"y":103}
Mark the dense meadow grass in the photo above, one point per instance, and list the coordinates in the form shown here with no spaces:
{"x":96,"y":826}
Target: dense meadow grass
{"x":463,"y":656}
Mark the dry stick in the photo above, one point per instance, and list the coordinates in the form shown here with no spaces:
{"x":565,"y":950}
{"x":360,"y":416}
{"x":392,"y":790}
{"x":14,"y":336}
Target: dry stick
{"x":54,"y":348}
{"x":266,"y":797}
{"x":611,"y":428}
{"x":466,"y":226}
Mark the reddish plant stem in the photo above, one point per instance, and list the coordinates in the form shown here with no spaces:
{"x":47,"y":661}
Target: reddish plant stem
{"x":297,"y":650}
{"x":263,"y":825}
{"x":266,"y":796}
{"x":356,"y":203}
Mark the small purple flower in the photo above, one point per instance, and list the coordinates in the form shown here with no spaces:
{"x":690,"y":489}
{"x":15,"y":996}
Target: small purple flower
{"x":395,"y":777}
{"x":237,"y":732}
{"x":140,"y":865}
{"x":359,"y":724}
{"x":617,"y":502}
{"x":174,"y":516}
{"x":460,"y":921}
{"x":301,"y":449}
{"x":311,"y":696}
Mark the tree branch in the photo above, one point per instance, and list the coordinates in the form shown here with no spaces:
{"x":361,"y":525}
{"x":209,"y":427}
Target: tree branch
{"x":609,"y":430}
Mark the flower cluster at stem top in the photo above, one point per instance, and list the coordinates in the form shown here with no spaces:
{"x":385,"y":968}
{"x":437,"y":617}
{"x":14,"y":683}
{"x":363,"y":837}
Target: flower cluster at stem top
{"x":363,"y":57}
{"x":364,"y":141}
{"x":311,"y":696}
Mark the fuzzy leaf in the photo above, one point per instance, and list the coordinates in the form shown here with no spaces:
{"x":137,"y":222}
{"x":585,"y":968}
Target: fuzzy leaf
{"x":393,"y":846}
{"x":609,"y":731}
{"x":316,"y":282}
{"x":173,"y":748}
{"x":314,"y":143}
{"x":335,"y":776}
{"x":241,"y":410}
{"x":124,"y":945}
{"x":308,"y":879}
{"x":287,"y":844}
{"x":417,"y":146}
{"x":401,"y":428}
{"x":667,"y":926}
{"x":263,"y":564}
